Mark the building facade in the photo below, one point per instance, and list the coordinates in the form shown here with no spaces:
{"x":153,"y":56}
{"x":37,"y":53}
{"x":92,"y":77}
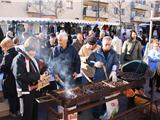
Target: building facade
{"x":13,"y":8}
{"x":127,"y":12}
{"x":94,"y":10}
{"x":62,"y":9}
{"x":157,"y":8}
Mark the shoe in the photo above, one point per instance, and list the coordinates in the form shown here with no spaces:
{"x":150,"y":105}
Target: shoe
{"x":158,"y":89}
{"x":13,"y":115}
{"x":18,"y":114}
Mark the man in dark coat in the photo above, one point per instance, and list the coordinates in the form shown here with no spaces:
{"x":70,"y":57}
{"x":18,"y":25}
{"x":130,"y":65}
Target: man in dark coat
{"x":65,"y":60}
{"x":9,"y":86}
{"x":105,"y":61}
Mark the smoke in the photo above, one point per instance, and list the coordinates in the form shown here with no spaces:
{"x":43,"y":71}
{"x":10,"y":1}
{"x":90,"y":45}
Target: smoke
{"x":61,"y":66}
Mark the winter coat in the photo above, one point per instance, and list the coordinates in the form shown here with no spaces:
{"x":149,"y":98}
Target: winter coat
{"x":133,"y":49}
{"x":85,"y":53}
{"x":65,"y":61}
{"x":153,"y":59}
{"x":112,"y":59}
{"x":9,"y":86}
{"x":117,"y":44}
{"x":23,"y":77}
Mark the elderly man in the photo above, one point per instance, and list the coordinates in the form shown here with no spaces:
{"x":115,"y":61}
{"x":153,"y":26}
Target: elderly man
{"x":105,"y":60}
{"x":65,"y":60}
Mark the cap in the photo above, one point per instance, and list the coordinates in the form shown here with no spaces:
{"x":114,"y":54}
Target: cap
{"x":91,"y":40}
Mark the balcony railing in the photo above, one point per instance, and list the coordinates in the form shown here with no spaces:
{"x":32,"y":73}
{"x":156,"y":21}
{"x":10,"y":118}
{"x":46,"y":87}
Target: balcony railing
{"x":139,"y":6}
{"x":95,"y":2}
{"x":139,"y":19}
{"x":103,"y":15}
{"x":89,"y":12}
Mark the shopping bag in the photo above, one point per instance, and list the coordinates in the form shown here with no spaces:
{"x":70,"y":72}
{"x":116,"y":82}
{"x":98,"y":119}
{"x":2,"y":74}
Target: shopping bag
{"x":112,"y":108}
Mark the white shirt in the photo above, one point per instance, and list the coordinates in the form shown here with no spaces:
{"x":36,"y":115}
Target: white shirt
{"x":117,"y":45}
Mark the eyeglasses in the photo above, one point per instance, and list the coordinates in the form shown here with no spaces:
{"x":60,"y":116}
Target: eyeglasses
{"x":107,"y":44}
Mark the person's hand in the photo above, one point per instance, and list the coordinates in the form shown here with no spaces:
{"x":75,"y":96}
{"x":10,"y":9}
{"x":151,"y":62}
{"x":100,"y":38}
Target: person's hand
{"x":98,"y":64}
{"x":44,"y":75}
{"x":74,"y":75}
{"x":113,"y":76}
{"x":33,"y":87}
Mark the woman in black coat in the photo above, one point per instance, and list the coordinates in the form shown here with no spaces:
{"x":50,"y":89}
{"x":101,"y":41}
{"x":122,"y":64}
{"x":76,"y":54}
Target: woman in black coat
{"x":9,"y":87}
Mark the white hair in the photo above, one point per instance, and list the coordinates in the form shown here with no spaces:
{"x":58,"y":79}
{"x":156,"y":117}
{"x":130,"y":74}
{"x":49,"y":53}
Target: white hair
{"x":63,"y":34}
{"x":106,"y":38}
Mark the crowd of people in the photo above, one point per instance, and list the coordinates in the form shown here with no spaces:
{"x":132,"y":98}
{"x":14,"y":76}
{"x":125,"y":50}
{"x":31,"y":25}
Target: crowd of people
{"x":97,"y":56}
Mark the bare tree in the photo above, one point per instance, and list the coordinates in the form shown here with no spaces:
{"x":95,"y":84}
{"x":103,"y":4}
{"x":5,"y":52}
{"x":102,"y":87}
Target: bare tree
{"x":58,"y":7}
{"x":119,"y":6}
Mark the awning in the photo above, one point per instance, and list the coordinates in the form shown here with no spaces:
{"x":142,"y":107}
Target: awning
{"x":25,"y":19}
{"x":71,"y":21}
{"x":32,"y":19}
{"x":83,"y":22}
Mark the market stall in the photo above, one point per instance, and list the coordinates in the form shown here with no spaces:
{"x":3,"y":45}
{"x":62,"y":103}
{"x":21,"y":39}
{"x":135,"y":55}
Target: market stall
{"x":90,"y":95}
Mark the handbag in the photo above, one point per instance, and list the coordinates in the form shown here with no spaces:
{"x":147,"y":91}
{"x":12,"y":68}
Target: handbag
{"x":128,"y":57}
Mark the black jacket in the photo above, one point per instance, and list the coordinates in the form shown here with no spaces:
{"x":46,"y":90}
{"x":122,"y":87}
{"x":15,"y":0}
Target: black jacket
{"x":65,"y":61}
{"x":23,"y":77}
{"x":9,"y":87}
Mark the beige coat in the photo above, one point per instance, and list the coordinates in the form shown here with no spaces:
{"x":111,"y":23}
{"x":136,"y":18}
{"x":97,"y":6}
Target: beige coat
{"x":127,"y":48}
{"x":84,"y":54}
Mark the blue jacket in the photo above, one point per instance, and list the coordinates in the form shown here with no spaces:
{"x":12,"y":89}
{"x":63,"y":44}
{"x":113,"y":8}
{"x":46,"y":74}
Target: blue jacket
{"x":65,"y":61}
{"x":153,"y":59}
{"x":112,"y":59}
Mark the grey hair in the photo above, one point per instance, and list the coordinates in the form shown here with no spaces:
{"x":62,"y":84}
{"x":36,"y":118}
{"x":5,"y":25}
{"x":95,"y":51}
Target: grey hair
{"x":106,"y":38}
{"x":62,"y":34}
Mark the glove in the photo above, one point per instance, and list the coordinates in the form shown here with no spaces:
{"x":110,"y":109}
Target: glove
{"x":113,"y":76}
{"x":83,"y":59}
{"x":98,"y":64}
